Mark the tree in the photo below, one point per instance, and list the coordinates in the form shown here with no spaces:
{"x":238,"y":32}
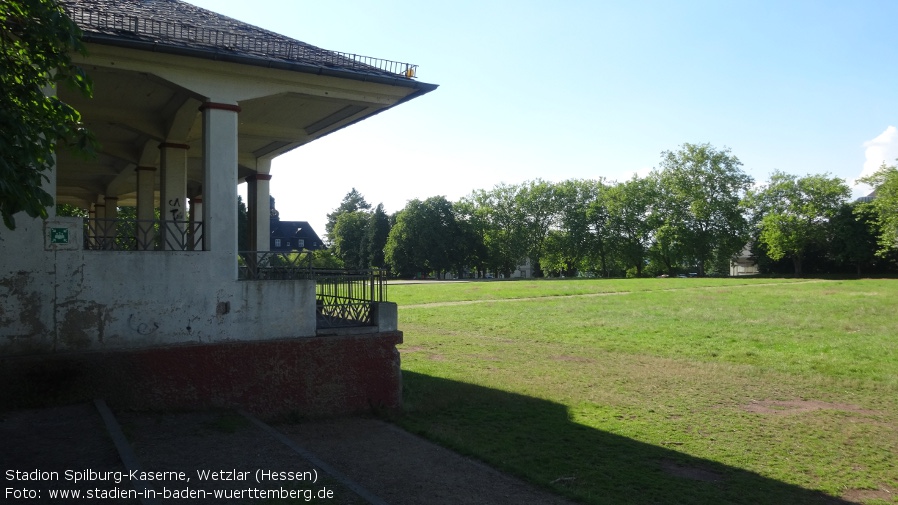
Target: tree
{"x":36,"y":43}
{"x":885,"y":205}
{"x":852,"y":237}
{"x":538,"y":204}
{"x":629,"y":205}
{"x":504,"y":227}
{"x":698,"y":212}
{"x":352,"y":202}
{"x":378,"y":233}
{"x":424,"y":238}
{"x":792,"y":213}
{"x":350,"y":239}
{"x":580,"y":227}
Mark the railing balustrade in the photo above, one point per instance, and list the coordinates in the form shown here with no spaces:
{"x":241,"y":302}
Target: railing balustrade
{"x":287,"y":49}
{"x":344,"y":298}
{"x":142,"y":235}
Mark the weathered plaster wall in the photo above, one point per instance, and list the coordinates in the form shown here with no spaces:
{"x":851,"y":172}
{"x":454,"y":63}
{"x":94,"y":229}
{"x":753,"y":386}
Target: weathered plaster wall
{"x":61,"y":298}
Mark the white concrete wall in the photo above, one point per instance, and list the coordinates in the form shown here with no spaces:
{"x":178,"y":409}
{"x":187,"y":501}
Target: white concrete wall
{"x":62,"y":298}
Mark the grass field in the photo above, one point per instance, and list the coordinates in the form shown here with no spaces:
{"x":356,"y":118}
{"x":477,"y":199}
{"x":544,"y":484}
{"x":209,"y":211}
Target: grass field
{"x":662,"y":390}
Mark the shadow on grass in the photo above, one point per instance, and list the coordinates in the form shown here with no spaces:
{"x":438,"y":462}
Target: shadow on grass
{"x":535,"y":439}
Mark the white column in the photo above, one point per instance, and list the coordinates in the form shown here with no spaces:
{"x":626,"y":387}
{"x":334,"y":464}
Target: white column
{"x":173,"y":199}
{"x":146,"y":207}
{"x":220,"y":181}
{"x":259,"y":210}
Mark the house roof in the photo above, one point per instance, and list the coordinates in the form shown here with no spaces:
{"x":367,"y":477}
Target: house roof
{"x":181,"y":28}
{"x":297,"y":229}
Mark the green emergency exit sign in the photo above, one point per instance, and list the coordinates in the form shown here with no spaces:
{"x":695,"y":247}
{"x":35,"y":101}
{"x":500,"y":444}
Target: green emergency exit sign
{"x":59,"y":235}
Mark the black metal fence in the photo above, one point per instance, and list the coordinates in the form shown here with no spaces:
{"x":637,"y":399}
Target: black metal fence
{"x":347,"y":297}
{"x":142,"y":235}
{"x":344,"y":298}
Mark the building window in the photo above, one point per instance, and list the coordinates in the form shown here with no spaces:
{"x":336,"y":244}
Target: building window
{"x":300,"y":243}
{"x":288,"y":243}
{"x":277,"y":242}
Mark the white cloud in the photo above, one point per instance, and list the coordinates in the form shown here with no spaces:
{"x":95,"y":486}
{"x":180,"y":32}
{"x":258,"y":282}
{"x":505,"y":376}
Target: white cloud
{"x":883,"y":148}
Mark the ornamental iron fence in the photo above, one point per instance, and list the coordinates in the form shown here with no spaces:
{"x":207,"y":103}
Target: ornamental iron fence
{"x":124,"y":234}
{"x":343,"y":297}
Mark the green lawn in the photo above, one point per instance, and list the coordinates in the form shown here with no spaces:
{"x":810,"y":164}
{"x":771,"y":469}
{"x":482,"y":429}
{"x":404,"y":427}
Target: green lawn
{"x":662,"y":390}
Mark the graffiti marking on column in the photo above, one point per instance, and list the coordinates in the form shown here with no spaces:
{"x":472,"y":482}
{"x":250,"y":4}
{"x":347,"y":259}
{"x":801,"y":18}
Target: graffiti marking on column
{"x":175,"y":209}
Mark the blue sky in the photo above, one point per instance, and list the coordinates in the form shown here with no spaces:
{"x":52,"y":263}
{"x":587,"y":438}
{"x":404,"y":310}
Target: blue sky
{"x":577,"y":89}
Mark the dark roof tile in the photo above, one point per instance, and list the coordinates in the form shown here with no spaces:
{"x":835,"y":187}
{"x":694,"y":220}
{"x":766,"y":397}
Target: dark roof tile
{"x":174,"y":23}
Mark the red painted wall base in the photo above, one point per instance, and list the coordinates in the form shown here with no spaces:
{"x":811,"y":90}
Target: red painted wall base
{"x":308,"y":376}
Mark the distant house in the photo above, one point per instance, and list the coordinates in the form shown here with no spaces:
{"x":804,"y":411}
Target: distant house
{"x":289,"y":236}
{"x":744,"y":263}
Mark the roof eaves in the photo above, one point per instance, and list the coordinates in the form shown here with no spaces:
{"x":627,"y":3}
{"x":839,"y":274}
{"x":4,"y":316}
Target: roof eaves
{"x":247,"y":59}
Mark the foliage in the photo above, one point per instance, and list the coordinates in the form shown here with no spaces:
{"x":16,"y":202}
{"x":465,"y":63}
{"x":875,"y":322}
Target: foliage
{"x":852,"y":236}
{"x":424,"y":238}
{"x":324,"y":259}
{"x":350,"y":238}
{"x":692,"y":214}
{"x":538,"y":203}
{"x":242,"y":225}
{"x":503,"y":226}
{"x":37,"y":40}
{"x":352,"y":202}
{"x":376,"y":237}
{"x":629,"y":204}
{"x":698,"y":214}
{"x":885,"y":205}
{"x":792,"y":213}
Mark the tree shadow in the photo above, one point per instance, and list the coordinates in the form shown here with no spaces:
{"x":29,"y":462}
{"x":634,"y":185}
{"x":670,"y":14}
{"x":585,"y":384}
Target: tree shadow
{"x":513,"y":432}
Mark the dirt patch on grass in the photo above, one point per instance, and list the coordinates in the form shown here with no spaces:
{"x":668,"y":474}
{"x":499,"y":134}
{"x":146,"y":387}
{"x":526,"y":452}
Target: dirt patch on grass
{"x":575,"y":359}
{"x":774,"y":407}
{"x":690,"y":472}
{"x":884,"y":493}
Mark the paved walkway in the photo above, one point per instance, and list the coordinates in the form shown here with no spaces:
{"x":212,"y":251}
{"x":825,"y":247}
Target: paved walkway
{"x":186,"y":458}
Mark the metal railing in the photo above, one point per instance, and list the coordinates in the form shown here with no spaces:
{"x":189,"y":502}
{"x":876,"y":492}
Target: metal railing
{"x":271,"y":47}
{"x":266,"y":266}
{"x":343,"y":298}
{"x":142,"y":235}
{"x":347,"y":297}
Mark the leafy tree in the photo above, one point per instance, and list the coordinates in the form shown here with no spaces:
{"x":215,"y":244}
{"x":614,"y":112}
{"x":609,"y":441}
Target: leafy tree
{"x":504,"y":227}
{"x":377,"y":234}
{"x":603,"y":240}
{"x":469,"y":242}
{"x":792,"y":213}
{"x":885,"y":206}
{"x":538,"y":204}
{"x":629,"y":205}
{"x":568,"y":249}
{"x":350,"y":239}
{"x":853,"y":232}
{"x":352,"y":202}
{"x":424,"y":238}
{"x":36,"y":43}
{"x":699,"y":215}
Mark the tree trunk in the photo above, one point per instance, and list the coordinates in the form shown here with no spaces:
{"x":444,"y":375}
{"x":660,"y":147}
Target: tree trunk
{"x":796,"y":260}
